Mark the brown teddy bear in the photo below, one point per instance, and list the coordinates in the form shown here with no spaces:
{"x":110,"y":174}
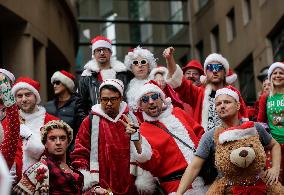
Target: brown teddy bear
{"x":240,"y":157}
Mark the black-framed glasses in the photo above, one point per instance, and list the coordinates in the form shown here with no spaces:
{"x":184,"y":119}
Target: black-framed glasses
{"x":146,"y":98}
{"x":56,"y":82}
{"x":113,"y":100}
{"x":215,"y":67}
{"x":141,"y":62}
{"x":99,"y":50}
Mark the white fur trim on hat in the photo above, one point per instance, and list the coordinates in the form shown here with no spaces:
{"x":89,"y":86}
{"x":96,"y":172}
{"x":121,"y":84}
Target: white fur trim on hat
{"x":273,"y":67}
{"x":118,"y":84}
{"x":23,"y":85}
{"x":8,"y":74}
{"x":232,"y":78}
{"x":237,"y":134}
{"x":227,"y":91}
{"x":218,"y":58}
{"x":69,"y":83}
{"x":161,"y":69}
{"x":140,"y":52}
{"x":101,"y":43}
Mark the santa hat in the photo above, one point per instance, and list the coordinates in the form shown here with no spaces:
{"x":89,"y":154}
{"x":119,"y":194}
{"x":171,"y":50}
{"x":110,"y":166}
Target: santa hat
{"x":100,"y":41}
{"x":231,"y":77}
{"x":153,"y":87}
{"x":194,"y":64}
{"x":118,"y":84}
{"x":273,"y":67}
{"x":65,"y":78}
{"x":140,"y":52}
{"x":246,"y":130}
{"x":27,"y":83}
{"x":214,"y":57}
{"x":8,"y":74}
{"x":233,"y":92}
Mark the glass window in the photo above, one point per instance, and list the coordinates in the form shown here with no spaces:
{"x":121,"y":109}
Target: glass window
{"x":278,"y":45}
{"x":231,"y":25}
{"x":246,"y":11}
{"x":215,"y":40}
{"x":176,"y":14}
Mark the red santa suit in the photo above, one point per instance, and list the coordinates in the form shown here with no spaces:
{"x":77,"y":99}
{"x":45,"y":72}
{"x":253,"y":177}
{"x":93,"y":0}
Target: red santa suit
{"x":102,"y":153}
{"x":198,"y":97}
{"x":164,"y":155}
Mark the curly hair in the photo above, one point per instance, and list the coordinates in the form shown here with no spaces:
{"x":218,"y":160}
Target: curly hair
{"x":140,"y":52}
{"x":56,"y":124}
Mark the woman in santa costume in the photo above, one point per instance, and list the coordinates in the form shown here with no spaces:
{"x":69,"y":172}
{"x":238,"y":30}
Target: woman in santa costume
{"x":168,"y":140}
{"x":271,"y":107}
{"x":33,"y":117}
{"x":9,"y":130}
{"x":216,"y":69}
{"x":142,"y":63}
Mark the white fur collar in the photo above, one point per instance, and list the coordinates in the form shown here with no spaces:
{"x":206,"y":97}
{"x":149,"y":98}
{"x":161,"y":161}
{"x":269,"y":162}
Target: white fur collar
{"x":38,"y":114}
{"x":205,"y":107}
{"x":132,"y":92}
{"x":92,"y":66}
{"x":164,"y":114}
{"x":98,"y":109}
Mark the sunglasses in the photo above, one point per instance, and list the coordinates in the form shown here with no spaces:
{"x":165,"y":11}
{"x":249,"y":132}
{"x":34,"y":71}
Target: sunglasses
{"x":215,"y":67}
{"x":113,"y":100}
{"x":146,"y":98}
{"x":56,"y":83}
{"x":141,"y":62}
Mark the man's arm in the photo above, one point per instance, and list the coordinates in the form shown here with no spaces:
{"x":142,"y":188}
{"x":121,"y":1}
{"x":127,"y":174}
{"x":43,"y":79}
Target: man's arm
{"x":190,"y":174}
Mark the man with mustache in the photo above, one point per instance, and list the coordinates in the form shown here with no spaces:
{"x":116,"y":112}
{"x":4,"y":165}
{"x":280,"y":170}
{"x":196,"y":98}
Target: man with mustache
{"x":192,"y":71}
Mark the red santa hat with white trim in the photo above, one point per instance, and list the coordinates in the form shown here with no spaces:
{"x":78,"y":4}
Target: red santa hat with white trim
{"x":149,"y":87}
{"x":233,"y":92}
{"x":214,"y":57}
{"x":27,"y":83}
{"x":66,"y":78}
{"x":100,"y":41}
{"x":118,"y":84}
{"x":8,"y":74}
{"x":246,"y":130}
{"x":273,"y":67}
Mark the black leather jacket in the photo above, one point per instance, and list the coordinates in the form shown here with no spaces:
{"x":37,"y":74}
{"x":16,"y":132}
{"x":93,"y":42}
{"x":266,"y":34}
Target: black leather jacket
{"x":88,"y":92}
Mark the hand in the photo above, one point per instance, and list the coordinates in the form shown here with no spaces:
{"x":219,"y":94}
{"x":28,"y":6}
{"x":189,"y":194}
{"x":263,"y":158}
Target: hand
{"x":98,"y":190}
{"x":168,"y":53}
{"x":160,"y":80}
{"x":130,"y":128}
{"x":271,"y":175}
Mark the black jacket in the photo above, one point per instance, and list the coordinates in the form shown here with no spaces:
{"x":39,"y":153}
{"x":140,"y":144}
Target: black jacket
{"x":88,"y":92}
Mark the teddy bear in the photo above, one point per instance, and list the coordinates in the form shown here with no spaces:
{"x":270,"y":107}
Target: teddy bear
{"x":240,"y":157}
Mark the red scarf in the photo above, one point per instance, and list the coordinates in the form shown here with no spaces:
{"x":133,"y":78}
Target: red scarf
{"x":258,"y":189}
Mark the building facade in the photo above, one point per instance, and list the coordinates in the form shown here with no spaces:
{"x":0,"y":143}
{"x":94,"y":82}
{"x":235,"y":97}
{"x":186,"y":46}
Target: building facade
{"x":37,"y":38}
{"x":249,"y":33}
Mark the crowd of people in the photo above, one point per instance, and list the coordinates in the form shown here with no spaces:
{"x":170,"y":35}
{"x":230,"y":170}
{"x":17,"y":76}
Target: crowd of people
{"x":134,"y":127}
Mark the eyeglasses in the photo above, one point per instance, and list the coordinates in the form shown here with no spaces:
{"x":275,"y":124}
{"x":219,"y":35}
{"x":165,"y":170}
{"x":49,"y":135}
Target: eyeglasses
{"x":56,"y":82}
{"x":99,"y":50}
{"x":215,"y":67}
{"x":141,"y":62}
{"x":146,"y":98}
{"x":113,"y":100}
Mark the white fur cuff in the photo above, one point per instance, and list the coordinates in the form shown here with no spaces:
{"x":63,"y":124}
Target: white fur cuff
{"x":90,"y":179}
{"x":176,"y":79}
{"x":146,"y":151}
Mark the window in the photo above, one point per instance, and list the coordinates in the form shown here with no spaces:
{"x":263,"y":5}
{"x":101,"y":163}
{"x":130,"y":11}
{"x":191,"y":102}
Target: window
{"x":246,"y":80}
{"x":176,"y":14}
{"x":231,"y":25}
{"x":202,"y":3}
{"x":215,"y":40}
{"x":277,"y":42}
{"x":199,"y":51}
{"x":109,"y":32}
{"x":246,"y":11}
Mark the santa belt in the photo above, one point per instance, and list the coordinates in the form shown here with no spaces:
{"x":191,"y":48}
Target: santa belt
{"x":172,"y":176}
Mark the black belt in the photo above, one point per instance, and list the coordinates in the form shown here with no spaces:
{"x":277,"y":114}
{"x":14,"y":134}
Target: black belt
{"x":173,"y":176}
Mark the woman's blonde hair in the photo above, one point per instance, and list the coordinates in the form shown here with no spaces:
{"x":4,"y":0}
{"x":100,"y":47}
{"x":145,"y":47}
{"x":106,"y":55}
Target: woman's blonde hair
{"x":56,"y":124}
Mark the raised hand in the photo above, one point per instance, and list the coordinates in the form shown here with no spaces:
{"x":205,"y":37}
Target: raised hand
{"x":169,"y":56}
{"x":130,"y":127}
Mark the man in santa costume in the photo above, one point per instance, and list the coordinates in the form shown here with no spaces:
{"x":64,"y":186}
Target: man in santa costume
{"x":192,"y":71}
{"x":201,"y":99}
{"x":9,"y":130}
{"x":168,"y":140}
{"x":102,"y":66}
{"x":102,"y":148}
{"x":33,"y":117}
{"x":227,"y":101}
